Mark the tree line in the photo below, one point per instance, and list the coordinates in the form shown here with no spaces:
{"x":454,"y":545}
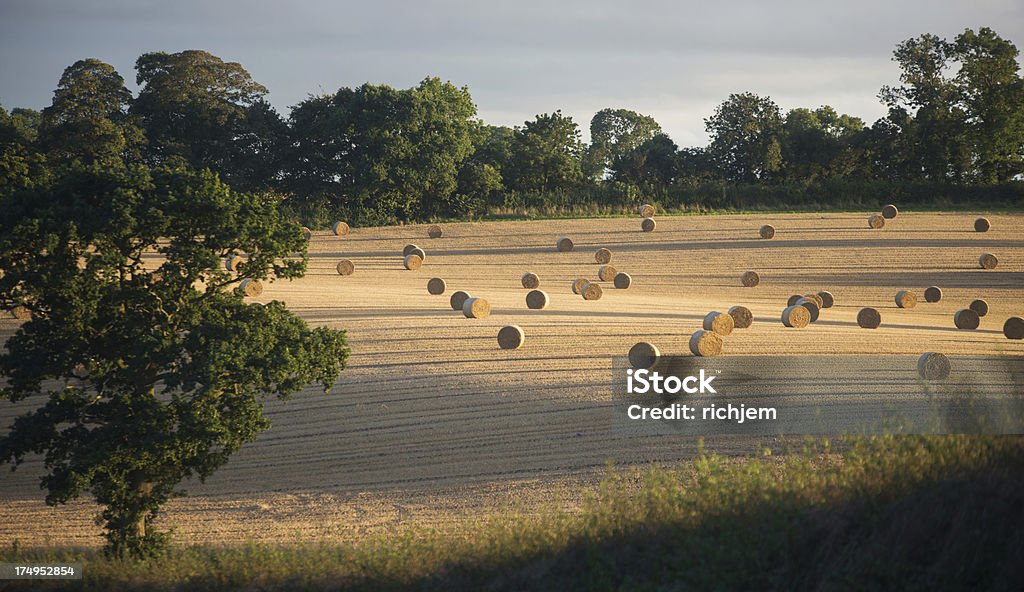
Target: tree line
{"x":954,"y":131}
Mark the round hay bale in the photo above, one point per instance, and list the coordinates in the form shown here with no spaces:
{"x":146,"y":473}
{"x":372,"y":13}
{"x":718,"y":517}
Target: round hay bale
{"x":966,"y":319}
{"x":606,"y":273}
{"x":988,"y":261}
{"x":564,"y":244}
{"x":705,"y":343}
{"x":827,"y":299}
{"x":603,"y":256}
{"x":622,"y":280}
{"x":796,"y":316}
{"x":234,"y":262}
{"x":436,"y":286}
{"x":647,"y":211}
{"x":537,"y":300}
{"x":1013,"y":328}
{"x":811,"y":306}
{"x":906,"y":299}
{"x":932,"y":294}
{"x":419,"y":253}
{"x":530,"y":280}
{"x":457,"y":299}
{"x":511,"y":337}
{"x":817,"y":300}
{"x":767,"y":231}
{"x":794,"y":299}
{"x":591,"y":291}
{"x":251,"y":287}
{"x":890,"y":211}
{"x":982,"y":225}
{"x":875,"y":222}
{"x":643,"y":355}
{"x":749,"y":279}
{"x":345,"y":267}
{"x":577,"y":285}
{"x":648,"y":225}
{"x":979,"y":306}
{"x":742,"y":318}
{"x":340,"y":228}
{"x":412,"y":262}
{"x":719,"y":323}
{"x":933,"y":366}
{"x":434,"y":231}
{"x":409,"y":249}
{"x":307,"y":233}
{"x":22,"y":313}
{"x":869,"y":318}
{"x":476,"y":308}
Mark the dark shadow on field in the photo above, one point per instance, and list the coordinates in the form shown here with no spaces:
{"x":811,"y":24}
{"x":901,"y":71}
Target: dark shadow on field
{"x":647,"y":243}
{"x":342,"y":313}
{"x":814,"y":276}
{"x":887,"y":325}
{"x":962,"y":532}
{"x":962,"y":277}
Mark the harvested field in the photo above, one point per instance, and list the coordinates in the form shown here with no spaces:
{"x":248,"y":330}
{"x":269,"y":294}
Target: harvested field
{"x":433,"y":422}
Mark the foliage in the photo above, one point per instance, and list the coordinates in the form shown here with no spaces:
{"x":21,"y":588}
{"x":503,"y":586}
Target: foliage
{"x":21,"y":164}
{"x":746,"y":138}
{"x":960,"y":109}
{"x":545,"y":155}
{"x":906,"y":513}
{"x":379,"y":153}
{"x":149,"y":366}
{"x":654,"y":162}
{"x":819,"y":143}
{"x":374,"y":154}
{"x":207,"y":113}
{"x":88,"y":121}
{"x":613,"y":134}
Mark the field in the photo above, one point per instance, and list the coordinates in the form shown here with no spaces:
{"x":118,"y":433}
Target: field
{"x":433,"y":424}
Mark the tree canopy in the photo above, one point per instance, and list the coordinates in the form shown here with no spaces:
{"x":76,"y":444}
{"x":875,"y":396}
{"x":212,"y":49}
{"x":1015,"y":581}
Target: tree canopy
{"x":746,"y":137}
{"x":613,"y":134}
{"x":376,"y":154}
{"x":380,"y":150}
{"x":88,"y":121}
{"x":545,"y":154}
{"x":199,"y":110}
{"x":149,"y":365}
{"x":960,"y":108}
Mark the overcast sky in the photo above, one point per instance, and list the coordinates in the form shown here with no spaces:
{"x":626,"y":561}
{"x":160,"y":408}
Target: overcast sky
{"x":672,"y":60}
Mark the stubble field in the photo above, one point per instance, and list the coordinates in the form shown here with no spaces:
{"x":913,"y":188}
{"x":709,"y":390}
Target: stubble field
{"x":433,"y":424}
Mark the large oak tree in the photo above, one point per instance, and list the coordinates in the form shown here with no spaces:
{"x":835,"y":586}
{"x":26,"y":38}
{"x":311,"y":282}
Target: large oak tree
{"x":146,"y":364}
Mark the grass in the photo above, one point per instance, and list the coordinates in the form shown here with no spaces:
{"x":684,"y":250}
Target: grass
{"x":913,"y":513}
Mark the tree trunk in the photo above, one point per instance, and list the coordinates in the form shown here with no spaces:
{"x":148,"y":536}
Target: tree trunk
{"x":144,"y":489}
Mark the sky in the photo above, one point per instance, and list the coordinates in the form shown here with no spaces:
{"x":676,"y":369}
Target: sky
{"x":672,"y":60}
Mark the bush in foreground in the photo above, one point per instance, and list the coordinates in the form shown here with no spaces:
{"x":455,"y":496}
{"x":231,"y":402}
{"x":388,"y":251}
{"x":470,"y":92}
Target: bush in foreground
{"x":890,"y":513}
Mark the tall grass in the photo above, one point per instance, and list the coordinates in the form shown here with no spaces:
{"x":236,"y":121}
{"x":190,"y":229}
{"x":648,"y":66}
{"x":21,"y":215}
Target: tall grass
{"x":921,"y":513}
